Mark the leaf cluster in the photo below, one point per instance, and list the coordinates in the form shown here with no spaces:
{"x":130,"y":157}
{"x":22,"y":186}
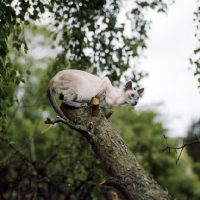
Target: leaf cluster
{"x":195,"y":59}
{"x":91,"y":35}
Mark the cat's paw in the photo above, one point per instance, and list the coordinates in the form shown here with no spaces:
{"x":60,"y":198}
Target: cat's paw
{"x":84,"y":104}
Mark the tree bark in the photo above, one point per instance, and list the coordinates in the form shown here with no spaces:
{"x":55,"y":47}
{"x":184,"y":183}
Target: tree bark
{"x":126,"y":173}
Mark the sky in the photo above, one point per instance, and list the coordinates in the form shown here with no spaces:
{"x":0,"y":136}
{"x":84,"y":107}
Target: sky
{"x":171,"y":87}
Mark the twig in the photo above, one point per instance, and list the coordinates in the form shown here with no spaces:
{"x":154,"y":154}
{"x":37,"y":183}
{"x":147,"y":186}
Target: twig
{"x":57,"y":120}
{"x":181,"y":147}
{"x":108,"y":115}
{"x":88,"y":131}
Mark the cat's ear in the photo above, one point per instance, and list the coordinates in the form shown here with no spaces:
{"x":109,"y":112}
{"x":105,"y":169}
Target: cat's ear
{"x":128,"y":86}
{"x":140,"y":91}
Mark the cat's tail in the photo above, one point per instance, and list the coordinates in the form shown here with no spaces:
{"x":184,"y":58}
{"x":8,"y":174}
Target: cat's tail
{"x":54,"y":103}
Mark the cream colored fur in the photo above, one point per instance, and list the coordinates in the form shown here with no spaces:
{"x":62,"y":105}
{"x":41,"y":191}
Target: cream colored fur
{"x":78,"y":87}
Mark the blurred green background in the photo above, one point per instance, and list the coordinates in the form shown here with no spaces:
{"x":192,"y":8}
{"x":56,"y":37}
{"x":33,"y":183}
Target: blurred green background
{"x":40,"y":38}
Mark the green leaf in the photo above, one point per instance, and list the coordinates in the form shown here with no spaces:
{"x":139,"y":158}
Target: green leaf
{"x":13,"y":73}
{"x":11,"y":142}
{"x":28,"y":72}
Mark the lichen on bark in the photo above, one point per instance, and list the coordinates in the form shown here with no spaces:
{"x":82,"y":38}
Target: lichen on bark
{"x":126,"y":173}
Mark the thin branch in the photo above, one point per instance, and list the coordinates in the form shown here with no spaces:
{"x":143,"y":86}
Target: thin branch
{"x":88,"y":131}
{"x":197,"y":141}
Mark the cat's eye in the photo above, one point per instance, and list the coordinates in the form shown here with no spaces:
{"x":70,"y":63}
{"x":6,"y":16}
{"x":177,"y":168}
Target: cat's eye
{"x":132,"y":95}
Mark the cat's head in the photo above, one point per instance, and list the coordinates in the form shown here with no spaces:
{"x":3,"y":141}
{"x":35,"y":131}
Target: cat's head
{"x":132,"y":96}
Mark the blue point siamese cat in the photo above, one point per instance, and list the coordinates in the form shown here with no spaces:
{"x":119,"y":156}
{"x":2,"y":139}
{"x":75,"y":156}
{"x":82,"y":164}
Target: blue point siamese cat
{"x":76,"y":88}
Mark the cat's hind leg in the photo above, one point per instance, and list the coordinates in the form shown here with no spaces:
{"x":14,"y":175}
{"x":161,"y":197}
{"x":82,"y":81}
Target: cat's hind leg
{"x":69,"y":98}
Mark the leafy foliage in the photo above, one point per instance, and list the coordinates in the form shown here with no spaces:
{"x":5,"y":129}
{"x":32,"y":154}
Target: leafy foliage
{"x":12,"y":20}
{"x":8,"y":74}
{"x":92,"y":36}
{"x":85,"y":35}
{"x":195,"y":59}
{"x":88,"y":33}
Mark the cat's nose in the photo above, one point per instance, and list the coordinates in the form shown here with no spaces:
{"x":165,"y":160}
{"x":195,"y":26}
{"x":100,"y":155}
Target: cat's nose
{"x":133,"y":104}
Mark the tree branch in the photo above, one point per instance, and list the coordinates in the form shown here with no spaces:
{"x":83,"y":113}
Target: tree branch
{"x":126,"y":173}
{"x":181,"y":147}
{"x":84,"y":131}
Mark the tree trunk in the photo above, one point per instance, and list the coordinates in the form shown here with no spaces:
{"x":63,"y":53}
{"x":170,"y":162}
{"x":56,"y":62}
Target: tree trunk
{"x":126,"y":173}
